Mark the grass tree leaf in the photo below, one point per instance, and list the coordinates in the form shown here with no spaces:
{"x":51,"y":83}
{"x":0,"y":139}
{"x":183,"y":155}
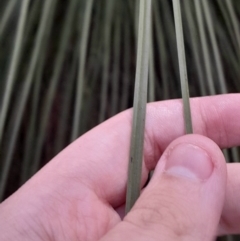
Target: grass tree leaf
{"x":139,"y":106}
{"x":182,"y":66}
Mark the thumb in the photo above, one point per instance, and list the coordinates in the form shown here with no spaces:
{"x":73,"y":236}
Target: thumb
{"x":185,"y":197}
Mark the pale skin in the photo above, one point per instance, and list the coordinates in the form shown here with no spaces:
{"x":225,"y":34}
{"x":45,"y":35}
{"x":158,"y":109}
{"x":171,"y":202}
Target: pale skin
{"x":80,"y":194}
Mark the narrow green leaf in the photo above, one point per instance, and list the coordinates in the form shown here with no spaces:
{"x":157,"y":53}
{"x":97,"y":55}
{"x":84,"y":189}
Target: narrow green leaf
{"x":48,"y":102}
{"x":229,"y":57}
{"x":30,"y":144}
{"x":14,"y":64}
{"x":161,"y":42}
{"x":126,"y":78}
{"x":171,"y":46}
{"x":195,"y":43}
{"x":81,"y":70}
{"x":61,"y":135}
{"x":226,"y":13}
{"x":116,"y":68}
{"x":151,"y":92}
{"x":139,"y":106}
{"x":136,"y":18}
{"x":235,"y":154}
{"x":106,"y":59}
{"x":216,"y":52}
{"x":226,"y":155}
{"x":33,"y":19}
{"x":25,"y":93}
{"x":6,"y":16}
{"x":235,"y":21}
{"x":207,"y":61}
{"x":182,"y":66}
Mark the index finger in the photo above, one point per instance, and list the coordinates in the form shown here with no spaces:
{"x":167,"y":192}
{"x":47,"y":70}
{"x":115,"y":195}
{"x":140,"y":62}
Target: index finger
{"x":100,"y":157}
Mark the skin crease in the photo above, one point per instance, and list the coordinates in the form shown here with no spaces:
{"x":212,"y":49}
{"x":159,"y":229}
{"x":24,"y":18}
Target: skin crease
{"x":76,"y":195}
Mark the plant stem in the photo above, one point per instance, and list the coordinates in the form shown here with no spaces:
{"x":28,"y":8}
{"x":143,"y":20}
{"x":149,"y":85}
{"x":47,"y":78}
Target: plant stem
{"x":139,"y":107}
{"x":182,"y":66}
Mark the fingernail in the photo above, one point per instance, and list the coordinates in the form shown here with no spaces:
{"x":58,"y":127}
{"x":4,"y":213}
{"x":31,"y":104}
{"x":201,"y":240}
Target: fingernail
{"x":189,"y":161}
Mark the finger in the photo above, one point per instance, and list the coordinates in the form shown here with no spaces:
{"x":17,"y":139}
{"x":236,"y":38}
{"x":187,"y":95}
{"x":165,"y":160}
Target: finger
{"x":102,"y":154}
{"x":230,"y":220}
{"x":99,"y":159}
{"x":184,"y":200}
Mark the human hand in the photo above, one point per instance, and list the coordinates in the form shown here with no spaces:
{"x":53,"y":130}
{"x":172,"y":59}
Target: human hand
{"x":193,"y":194}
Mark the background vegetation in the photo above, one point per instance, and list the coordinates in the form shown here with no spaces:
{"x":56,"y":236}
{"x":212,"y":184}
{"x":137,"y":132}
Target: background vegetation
{"x":66,"y":66}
